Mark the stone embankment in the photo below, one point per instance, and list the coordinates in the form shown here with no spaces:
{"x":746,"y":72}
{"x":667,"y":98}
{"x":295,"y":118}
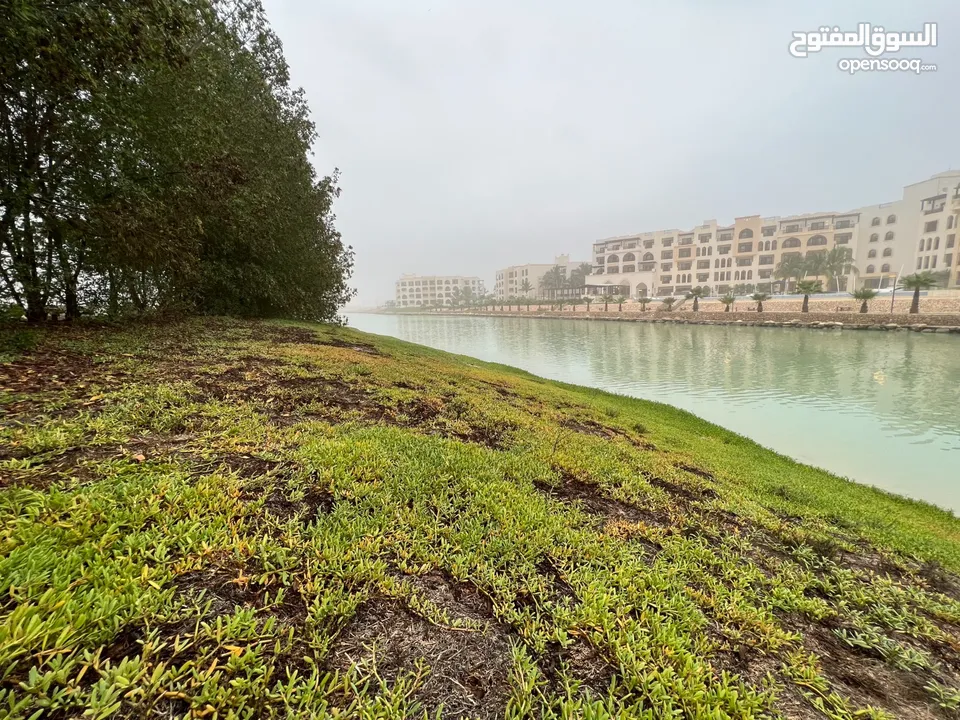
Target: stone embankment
{"x":925,"y":322}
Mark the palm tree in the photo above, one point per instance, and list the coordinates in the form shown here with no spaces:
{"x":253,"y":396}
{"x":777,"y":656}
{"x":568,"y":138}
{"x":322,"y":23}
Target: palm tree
{"x":864,"y":294}
{"x":526,"y":287}
{"x":816,"y":264}
{"x":619,"y":300}
{"x":644,"y":301}
{"x":837,"y":263}
{"x":466,"y":296}
{"x":728,"y":300}
{"x":578,"y":276}
{"x":923,"y":280}
{"x":552,"y":280}
{"x":668,"y":303}
{"x":808,"y":287}
{"x":696,"y":294}
{"x":587,"y":300}
{"x":758,"y":298}
{"x":792,"y":266}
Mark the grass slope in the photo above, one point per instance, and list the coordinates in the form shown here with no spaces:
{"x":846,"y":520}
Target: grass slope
{"x":233,"y":519}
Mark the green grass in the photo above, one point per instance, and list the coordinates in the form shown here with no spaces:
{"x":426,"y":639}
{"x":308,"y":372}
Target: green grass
{"x":215,"y":518}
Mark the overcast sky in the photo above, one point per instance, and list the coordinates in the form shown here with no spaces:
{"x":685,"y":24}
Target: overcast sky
{"x":475,"y":135}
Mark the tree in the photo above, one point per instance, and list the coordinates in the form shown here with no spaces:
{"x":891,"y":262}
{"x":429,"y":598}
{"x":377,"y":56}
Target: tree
{"x":759,"y":299}
{"x":668,"y":303}
{"x":552,"y":280}
{"x":587,"y":300}
{"x":837,"y":263}
{"x":727,"y":301}
{"x":619,"y":300}
{"x":791,"y":266}
{"x":865,"y":295}
{"x":816,"y":264}
{"x":525,"y":287}
{"x":806,"y":288}
{"x":644,"y":301}
{"x":123,"y":185}
{"x":456,"y":296}
{"x":696,"y":294}
{"x":923,"y":280}
{"x":578,"y":276}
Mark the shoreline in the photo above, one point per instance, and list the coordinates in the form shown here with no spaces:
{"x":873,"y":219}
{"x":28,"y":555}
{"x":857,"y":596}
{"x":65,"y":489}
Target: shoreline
{"x":923,"y":322}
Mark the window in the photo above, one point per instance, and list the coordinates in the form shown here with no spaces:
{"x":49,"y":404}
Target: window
{"x":667,"y":241}
{"x":887,"y":252}
{"x":891,"y":219}
{"x":792,"y":228}
{"x":745,"y":247}
{"x":744,"y":262}
{"x":665,"y":278}
{"x":872,"y":254}
{"x":951,"y":239}
{"x":919,"y":263}
{"x":875,"y":222}
{"x":613,"y":259}
{"x":930,"y":226}
{"x":926,"y":262}
{"x":684,"y":253}
{"x":874,"y":237}
{"x":791,"y":243}
{"x":684,"y":266}
{"x":870,"y":269}
{"x":648,"y":244}
{"x":703,"y":264}
{"x":936,"y":243}
{"x":705,"y":237}
{"x":819,"y":225}
{"x":929,"y":243}
{"x":817,"y":240}
{"x":766,"y":259}
{"x":921,"y":244}
{"x":843,"y":224}
{"x":725,"y":237}
{"x":666,"y":254}
{"x":744,"y":234}
{"x":666,"y":267}
{"x":949,"y":222}
{"x":885,"y":268}
{"x":768,"y":231}
{"x":629,"y":257}
{"x":888,"y":237}
{"x":842,"y":238}
{"x":948,"y":259}
{"x":723,"y":249}
{"x":933,"y":262}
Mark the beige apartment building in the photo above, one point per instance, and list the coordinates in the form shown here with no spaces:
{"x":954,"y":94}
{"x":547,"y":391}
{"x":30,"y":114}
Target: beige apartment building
{"x":424,"y":290}
{"x":523,"y":281}
{"x":916,"y":232}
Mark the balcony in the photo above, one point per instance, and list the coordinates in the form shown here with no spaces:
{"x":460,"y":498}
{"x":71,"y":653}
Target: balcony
{"x":647,"y":266}
{"x":841,"y":224}
{"x":685,"y":241}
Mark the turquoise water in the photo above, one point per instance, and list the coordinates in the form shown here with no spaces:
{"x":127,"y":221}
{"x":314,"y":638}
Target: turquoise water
{"x":876,"y":407}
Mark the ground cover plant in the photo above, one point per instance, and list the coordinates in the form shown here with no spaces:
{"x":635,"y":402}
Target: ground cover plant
{"x":220,"y":518}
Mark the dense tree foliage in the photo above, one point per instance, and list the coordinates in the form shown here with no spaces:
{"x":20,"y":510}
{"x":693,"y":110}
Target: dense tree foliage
{"x":155,"y":156}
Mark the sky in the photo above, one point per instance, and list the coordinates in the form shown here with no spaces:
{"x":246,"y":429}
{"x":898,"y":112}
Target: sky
{"x":472,"y":135}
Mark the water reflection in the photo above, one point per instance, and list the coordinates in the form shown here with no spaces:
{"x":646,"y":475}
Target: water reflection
{"x":876,"y":407}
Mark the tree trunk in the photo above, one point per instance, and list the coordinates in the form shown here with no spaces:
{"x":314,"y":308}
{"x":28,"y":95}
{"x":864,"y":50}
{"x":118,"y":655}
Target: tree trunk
{"x":915,"y":305}
{"x":806,"y":304}
{"x":620,"y":309}
{"x":604,"y":305}
{"x":696,"y":304}
{"x":726,"y":308}
{"x":759,"y":307}
{"x":863,"y":307}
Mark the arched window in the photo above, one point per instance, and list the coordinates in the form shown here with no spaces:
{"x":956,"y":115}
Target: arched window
{"x":791,"y":243}
{"x":885,"y":267}
{"x":749,"y":274}
{"x":872,"y":254}
{"x":891,"y":219}
{"x":817,"y":240}
{"x":874,"y":237}
{"x":949,"y":222}
{"x":642,"y":290}
{"x":936,"y":243}
{"x":875,"y":222}
{"x":744,"y":234}
{"x":773,"y":245}
{"x":889,"y":236}
{"x":629,"y":257}
{"x":929,"y":243}
{"x":887,"y":252}
{"x":921,"y":244}
{"x":709,"y":251}
{"x":870,"y":270}
{"x":648,"y":257}
{"x":613,"y":259}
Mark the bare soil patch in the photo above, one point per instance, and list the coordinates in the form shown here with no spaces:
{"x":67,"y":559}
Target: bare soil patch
{"x":469,"y":670}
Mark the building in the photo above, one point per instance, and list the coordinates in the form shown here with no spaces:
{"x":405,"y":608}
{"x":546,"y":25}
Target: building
{"x":526,"y":281}
{"x":916,"y":232}
{"x":426,"y":290}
